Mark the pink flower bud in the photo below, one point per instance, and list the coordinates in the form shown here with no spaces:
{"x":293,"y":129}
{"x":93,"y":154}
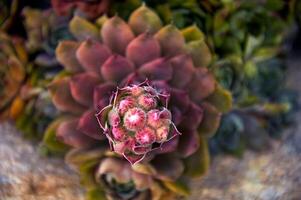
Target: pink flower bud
{"x":134,"y":119}
{"x":147,"y":101}
{"x":114,"y":118}
{"x":136,"y":90}
{"x":125,"y":105}
{"x":162,"y":134}
{"x":145,"y":136}
{"x":121,"y":147}
{"x":153,"y":118}
{"x":156,"y":118}
{"x":119,"y":133}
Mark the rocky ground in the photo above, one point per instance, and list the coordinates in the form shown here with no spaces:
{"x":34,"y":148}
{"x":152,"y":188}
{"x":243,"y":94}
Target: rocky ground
{"x":272,"y":175}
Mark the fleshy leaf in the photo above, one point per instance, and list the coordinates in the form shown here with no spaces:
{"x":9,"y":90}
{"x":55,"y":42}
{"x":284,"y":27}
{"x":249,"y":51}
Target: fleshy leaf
{"x":192,"y":117}
{"x":199,"y":52}
{"x":142,"y":181}
{"x":119,"y":169}
{"x":67,"y":132}
{"x":170,"y":171}
{"x":89,"y":125}
{"x":144,"y":169}
{"x":102,"y":94}
{"x":144,"y":20}
{"x":65,"y":54}
{"x":82,"y":87}
{"x":171,"y":40}
{"x":143,"y":49}
{"x":188,"y":143}
{"x":77,"y":157}
{"x":50,"y":141}
{"x":210,"y":121}
{"x":192,"y":33}
{"x":116,"y":34}
{"x":179,"y":187}
{"x":221,"y":99}
{"x":197,"y":164}
{"x":62,"y":98}
{"x":116,"y":68}
{"x":83,"y":29}
{"x":181,"y":63}
{"x":201,"y":85}
{"x":91,"y":55}
{"x":158,"y":69}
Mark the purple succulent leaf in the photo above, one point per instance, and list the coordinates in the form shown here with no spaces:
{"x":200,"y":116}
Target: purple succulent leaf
{"x":66,"y":55}
{"x":91,"y":55}
{"x":82,"y":87}
{"x":167,"y":147}
{"x":88,"y":124}
{"x":101,"y":117}
{"x":201,"y":85}
{"x":116,"y":68}
{"x":102,"y":94}
{"x":117,"y":34}
{"x":183,"y":70}
{"x":62,"y":98}
{"x":179,"y":99}
{"x":170,"y":171}
{"x":188,"y":143}
{"x":158,"y":69}
{"x":192,"y":117}
{"x":68,"y":133}
{"x":143,"y":49}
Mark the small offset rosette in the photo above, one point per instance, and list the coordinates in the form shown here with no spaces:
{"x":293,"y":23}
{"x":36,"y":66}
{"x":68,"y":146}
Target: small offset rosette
{"x":137,"y":121}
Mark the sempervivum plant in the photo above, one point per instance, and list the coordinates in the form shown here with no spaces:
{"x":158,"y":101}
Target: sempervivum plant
{"x":106,"y":176}
{"x":13,"y":61}
{"x":149,"y":86}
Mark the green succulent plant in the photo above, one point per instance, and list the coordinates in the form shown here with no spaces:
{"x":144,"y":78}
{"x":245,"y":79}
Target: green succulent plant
{"x":154,"y":98}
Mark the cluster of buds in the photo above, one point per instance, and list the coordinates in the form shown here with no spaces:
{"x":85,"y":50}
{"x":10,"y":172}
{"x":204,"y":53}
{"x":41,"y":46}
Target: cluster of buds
{"x":138,"y":121}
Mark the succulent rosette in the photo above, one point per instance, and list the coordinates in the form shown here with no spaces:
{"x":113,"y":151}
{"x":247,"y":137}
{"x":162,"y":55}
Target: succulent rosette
{"x":149,"y":87}
{"x":13,"y":61}
{"x":107,"y":176}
